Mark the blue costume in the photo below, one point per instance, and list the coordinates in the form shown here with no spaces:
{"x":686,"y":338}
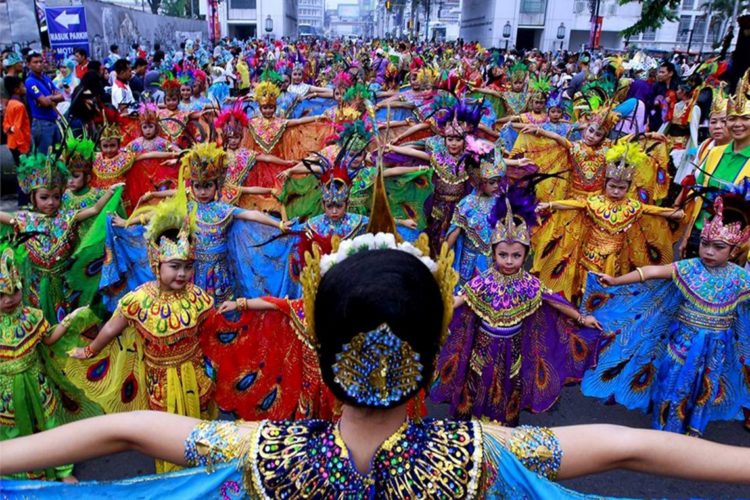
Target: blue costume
{"x":473,"y":249}
{"x":678,"y":347}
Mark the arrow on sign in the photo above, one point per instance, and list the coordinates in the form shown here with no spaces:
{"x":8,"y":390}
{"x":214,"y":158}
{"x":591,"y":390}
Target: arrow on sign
{"x":66,"y":19}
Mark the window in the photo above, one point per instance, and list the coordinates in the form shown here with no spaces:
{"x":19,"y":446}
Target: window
{"x":533,"y":6}
{"x":699,"y":28}
{"x":683,"y":30}
{"x":688,"y":4}
{"x":649,"y":35}
{"x":242,"y":4}
{"x":714,"y":30}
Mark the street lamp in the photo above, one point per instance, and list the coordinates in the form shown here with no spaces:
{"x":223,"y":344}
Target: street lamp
{"x":269,"y":27}
{"x":506,"y":34}
{"x":561,"y":34}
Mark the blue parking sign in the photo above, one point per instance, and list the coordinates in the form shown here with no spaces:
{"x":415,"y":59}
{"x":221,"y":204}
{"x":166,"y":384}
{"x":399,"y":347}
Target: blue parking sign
{"x":66,"y":27}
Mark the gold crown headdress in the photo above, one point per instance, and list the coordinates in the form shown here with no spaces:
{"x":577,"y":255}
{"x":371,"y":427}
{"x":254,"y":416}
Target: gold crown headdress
{"x":604,"y":118}
{"x":79,"y":153}
{"x":10,"y":278}
{"x":512,"y":229}
{"x":514,"y":216}
{"x":111,"y":129}
{"x":170,"y":214}
{"x":719,"y":101}
{"x":266,"y":93}
{"x":739,"y":104}
{"x":622,"y":160}
{"x":715,"y":229}
{"x":426,"y":76}
{"x":205,"y":162}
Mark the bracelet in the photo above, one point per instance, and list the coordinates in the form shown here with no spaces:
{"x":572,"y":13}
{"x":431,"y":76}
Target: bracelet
{"x":88,"y":352}
{"x":281,"y":226}
{"x":242,"y":304}
{"x":640,"y":273}
{"x":579,"y":320}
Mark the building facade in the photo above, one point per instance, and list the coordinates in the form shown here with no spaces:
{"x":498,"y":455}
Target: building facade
{"x":432,"y":20}
{"x":548,"y":25}
{"x":251,"y":18}
{"x":311,"y":13}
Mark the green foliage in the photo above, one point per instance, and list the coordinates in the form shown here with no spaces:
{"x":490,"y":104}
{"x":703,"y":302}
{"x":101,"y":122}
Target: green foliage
{"x":654,"y":13}
{"x":176,"y":8}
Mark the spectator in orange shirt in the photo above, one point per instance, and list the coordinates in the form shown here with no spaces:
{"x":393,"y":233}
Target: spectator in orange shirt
{"x":16,"y":123}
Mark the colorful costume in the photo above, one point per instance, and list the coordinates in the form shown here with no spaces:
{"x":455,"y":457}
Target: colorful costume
{"x":678,"y":347}
{"x":602,"y":235}
{"x":508,"y":349}
{"x":30,"y":385}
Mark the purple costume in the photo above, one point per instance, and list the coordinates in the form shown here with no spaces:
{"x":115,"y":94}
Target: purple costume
{"x":509,"y":350}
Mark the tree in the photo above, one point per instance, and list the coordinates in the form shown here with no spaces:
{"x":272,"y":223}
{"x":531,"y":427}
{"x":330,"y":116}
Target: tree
{"x":654,"y":13}
{"x":175,"y":8}
{"x":154,"y":5}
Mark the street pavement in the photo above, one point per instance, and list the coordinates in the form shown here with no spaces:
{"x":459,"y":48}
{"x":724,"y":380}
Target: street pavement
{"x":573,"y":409}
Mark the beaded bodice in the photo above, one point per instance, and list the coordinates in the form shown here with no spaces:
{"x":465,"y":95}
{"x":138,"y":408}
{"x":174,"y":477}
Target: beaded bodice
{"x":589,"y":167}
{"x":108,"y":171}
{"x":430,"y":459}
{"x":20,"y":332}
{"x":53,"y":243}
{"x":141,"y":145}
{"x":267,"y":132}
{"x":348,"y":226}
{"x":503,"y":300}
{"x":613,"y":216}
{"x":166,"y":318}
{"x":213,"y":220}
{"x":73,"y":201}
{"x":239,"y":163}
{"x":711,"y":293}
{"x":471,"y":216}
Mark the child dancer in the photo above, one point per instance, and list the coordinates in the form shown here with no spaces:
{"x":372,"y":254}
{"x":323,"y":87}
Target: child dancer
{"x":55,"y":232}
{"x":512,"y":344}
{"x":161,"y":321}
{"x":610,"y":233}
{"x":677,"y":346}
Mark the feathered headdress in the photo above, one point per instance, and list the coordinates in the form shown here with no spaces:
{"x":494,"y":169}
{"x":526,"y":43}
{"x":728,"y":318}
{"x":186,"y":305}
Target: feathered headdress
{"x":170,"y":85}
{"x":336,"y":177}
{"x":555,"y":99}
{"x":487,"y":156}
{"x":518,"y":72}
{"x":170,"y":214}
{"x":148,"y":112}
{"x":357,"y":93}
{"x":266,"y":93}
{"x":79,"y":153}
{"x":205,"y":161}
{"x":426,"y":76}
{"x":539,"y":86}
{"x":36,"y":170}
{"x":719,"y":100}
{"x":272,"y":76}
{"x":460,"y":119}
{"x":111,"y":128}
{"x":342,"y":80}
{"x":715,"y":229}
{"x":623,"y":159}
{"x":604,"y":118}
{"x":232,"y":121}
{"x":10,"y":278}
{"x":514,"y":216}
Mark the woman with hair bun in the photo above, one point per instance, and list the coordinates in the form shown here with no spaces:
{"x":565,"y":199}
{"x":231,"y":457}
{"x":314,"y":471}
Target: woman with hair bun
{"x":377,"y":310}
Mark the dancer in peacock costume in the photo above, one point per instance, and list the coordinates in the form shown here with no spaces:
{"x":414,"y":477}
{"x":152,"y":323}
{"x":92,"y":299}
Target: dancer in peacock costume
{"x":34,"y":394}
{"x":608,"y":233}
{"x":54,"y":231}
{"x":513,"y":344}
{"x":677,"y":336}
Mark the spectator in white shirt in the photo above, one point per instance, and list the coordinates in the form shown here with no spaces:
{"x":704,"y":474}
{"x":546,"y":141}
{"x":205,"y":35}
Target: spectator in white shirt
{"x":122,"y":96}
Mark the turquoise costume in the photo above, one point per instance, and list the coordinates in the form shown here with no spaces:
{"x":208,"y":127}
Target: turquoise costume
{"x":429,"y":459}
{"x":680,"y":347}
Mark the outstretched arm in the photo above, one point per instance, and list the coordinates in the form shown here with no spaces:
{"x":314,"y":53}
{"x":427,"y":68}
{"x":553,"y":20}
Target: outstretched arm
{"x":6,"y":218}
{"x":246,"y":305}
{"x":87,"y":213}
{"x":411,"y":130}
{"x":414,"y":153}
{"x":590,"y":449}
{"x":301,"y":121}
{"x":396,"y":171}
{"x":157,"y":434}
{"x":275,"y":159}
{"x":260,"y":217}
{"x":641,"y":274}
{"x":109,"y":331}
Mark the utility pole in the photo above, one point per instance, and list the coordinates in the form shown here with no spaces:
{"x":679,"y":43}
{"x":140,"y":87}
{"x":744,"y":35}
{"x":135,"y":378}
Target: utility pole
{"x":427,"y":24}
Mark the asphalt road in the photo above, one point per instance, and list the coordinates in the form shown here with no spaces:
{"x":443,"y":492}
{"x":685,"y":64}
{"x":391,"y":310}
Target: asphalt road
{"x":573,"y":409}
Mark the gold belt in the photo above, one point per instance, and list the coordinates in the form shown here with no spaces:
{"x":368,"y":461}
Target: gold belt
{"x":174,"y":360}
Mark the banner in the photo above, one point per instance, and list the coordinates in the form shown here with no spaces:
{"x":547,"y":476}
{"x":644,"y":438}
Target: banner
{"x":66,"y":27}
{"x":110,"y":24}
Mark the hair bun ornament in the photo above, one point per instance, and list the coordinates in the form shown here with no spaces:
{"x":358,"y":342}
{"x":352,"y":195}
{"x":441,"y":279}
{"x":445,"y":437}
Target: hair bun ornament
{"x":377,"y":368}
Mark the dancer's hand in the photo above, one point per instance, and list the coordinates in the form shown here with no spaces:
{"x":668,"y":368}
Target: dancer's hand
{"x":113,"y":187}
{"x":79,"y":353}
{"x":118,"y":221}
{"x":283,"y":175}
{"x":605,"y":279}
{"x":543,"y":207}
{"x":172,"y":161}
{"x":410,"y":223}
{"x":227,"y":306}
{"x":285,"y":226}
{"x":591,"y":322}
{"x":677,"y":215}
{"x":682,"y":248}
{"x":522,"y":162}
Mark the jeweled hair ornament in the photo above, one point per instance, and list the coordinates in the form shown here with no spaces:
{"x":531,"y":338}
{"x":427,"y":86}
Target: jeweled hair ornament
{"x":37,"y":170}
{"x":739,"y":103}
{"x":377,"y":368}
{"x":205,"y":162}
{"x":514,"y":216}
{"x":623,"y":159}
